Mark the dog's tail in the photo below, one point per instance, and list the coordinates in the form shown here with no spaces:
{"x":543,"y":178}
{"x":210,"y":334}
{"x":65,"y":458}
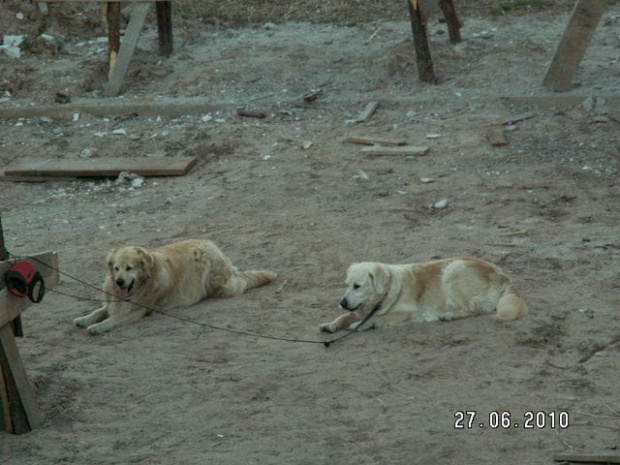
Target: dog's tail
{"x":511,"y":305}
{"x":244,"y":280}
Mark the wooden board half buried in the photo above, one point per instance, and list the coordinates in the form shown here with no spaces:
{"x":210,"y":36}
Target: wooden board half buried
{"x":100,"y":167}
{"x":374,"y":140}
{"x":377,"y":150}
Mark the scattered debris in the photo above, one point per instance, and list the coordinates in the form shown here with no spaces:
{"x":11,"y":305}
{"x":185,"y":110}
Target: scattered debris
{"x":87,"y":153}
{"x":495,"y":136}
{"x":313,"y":95}
{"x":306,"y":144}
{"x":128,"y":177}
{"x":440,"y":204}
{"x":119,"y":132}
{"x":62,"y":97}
{"x":406,"y":150}
{"x":521,"y":117}
{"x":243,"y":111}
{"x":433,"y":136}
{"x":367,"y":112}
{"x":362,"y":175}
{"x":427,"y":180}
{"x":375,"y":141}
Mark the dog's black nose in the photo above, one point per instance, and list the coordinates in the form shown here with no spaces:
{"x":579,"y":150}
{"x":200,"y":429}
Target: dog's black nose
{"x":120,"y":282}
{"x":344,"y":304}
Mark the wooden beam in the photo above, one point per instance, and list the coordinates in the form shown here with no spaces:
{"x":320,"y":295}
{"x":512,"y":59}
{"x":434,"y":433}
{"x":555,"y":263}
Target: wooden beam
{"x":99,"y":167}
{"x":18,"y":331}
{"x":404,"y":150}
{"x":113,"y":19}
{"x":132,"y":33}
{"x":164,"y":27}
{"x":452,"y":20}
{"x":589,"y":458}
{"x":420,"y":41}
{"x":574,"y":43}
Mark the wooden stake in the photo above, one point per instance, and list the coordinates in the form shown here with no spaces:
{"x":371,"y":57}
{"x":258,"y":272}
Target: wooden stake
{"x":164,"y":27}
{"x":452,"y":20}
{"x":574,"y":43}
{"x":420,"y":41}
{"x":113,"y":18}
{"x":18,"y":330}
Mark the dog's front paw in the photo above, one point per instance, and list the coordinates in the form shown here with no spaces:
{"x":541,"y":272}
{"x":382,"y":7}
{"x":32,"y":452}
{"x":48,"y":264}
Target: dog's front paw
{"x":82,"y":322}
{"x":328,"y":328}
{"x":96,"y":329}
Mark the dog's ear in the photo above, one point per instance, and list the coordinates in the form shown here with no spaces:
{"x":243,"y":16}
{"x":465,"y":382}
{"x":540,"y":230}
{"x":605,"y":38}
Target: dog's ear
{"x":380,"y":278}
{"x":110,"y":260}
{"x":147,"y":262}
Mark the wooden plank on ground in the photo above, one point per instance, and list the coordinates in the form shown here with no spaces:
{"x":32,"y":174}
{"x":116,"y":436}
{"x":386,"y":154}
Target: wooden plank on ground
{"x":100,"y":167}
{"x":132,"y":33}
{"x":367,"y":112}
{"x":374,"y":141}
{"x":588,"y":458}
{"x":12,"y":306}
{"x":378,"y":150}
{"x":574,"y":43}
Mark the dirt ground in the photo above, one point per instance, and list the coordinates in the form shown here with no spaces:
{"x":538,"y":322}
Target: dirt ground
{"x":286,"y":193}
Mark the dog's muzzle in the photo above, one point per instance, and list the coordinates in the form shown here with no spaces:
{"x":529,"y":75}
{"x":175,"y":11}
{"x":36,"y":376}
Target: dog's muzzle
{"x":124,"y":290}
{"x":344,"y":303}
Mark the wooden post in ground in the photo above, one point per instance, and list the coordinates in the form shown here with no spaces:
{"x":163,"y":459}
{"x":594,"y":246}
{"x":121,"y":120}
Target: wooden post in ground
{"x":18,"y":331}
{"x":452,"y":20}
{"x":164,"y":27}
{"x":113,"y":18}
{"x":420,"y":41}
{"x":18,"y":406}
{"x":574,"y":43}
{"x":136,"y":21}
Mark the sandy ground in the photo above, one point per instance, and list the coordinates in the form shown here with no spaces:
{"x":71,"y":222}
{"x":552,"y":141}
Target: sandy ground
{"x":162,"y":391}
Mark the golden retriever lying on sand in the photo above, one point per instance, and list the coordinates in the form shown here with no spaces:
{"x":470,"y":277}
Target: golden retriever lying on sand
{"x":437,"y":290}
{"x":176,"y":275}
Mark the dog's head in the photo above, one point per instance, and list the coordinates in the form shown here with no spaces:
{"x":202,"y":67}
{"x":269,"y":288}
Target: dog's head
{"x":130,"y":268}
{"x":367,"y":284}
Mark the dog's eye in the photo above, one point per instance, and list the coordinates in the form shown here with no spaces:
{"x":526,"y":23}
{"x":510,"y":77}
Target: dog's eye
{"x":356,"y":286}
{"x":116,"y":268}
{"x":128,"y":268}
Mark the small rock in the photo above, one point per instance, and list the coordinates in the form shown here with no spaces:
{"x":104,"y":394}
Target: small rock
{"x":62,"y":97}
{"x":76,"y":117}
{"x":362,"y":175}
{"x":426,"y":180}
{"x":206,"y":118}
{"x":127,"y":177}
{"x":119,"y":132}
{"x":269,"y":26}
{"x":19,"y":15}
{"x":87,"y":152}
{"x":433,"y":136}
{"x":440,"y":204}
{"x":135,"y":137}
{"x":46,"y":119}
{"x":588,"y":104}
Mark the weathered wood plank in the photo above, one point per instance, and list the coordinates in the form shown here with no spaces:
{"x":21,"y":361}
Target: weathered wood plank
{"x":100,"y":167}
{"x":589,"y":458}
{"x":377,"y":150}
{"x":574,"y":43}
{"x":374,"y":140}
